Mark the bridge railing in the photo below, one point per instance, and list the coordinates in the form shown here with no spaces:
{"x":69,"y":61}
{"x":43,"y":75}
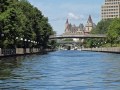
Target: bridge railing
{"x":80,"y":36}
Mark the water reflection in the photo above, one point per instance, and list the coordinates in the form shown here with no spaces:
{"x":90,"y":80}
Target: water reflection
{"x":7,"y":65}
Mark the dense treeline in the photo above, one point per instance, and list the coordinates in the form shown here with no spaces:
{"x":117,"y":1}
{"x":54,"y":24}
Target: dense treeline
{"x":110,"y":27}
{"x":21,"y":22}
{"x":113,"y":33}
{"x":102,"y":27}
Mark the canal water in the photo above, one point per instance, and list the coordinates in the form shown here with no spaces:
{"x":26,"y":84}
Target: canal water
{"x":61,"y":70}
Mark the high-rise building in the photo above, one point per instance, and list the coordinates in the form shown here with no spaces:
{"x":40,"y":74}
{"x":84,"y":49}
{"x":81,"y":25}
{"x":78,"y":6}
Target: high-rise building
{"x":111,"y":9}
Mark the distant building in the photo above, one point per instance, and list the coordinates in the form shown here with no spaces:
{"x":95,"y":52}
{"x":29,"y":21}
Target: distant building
{"x":79,"y":30}
{"x":73,"y":29}
{"x":90,"y":25}
{"x":110,"y":9}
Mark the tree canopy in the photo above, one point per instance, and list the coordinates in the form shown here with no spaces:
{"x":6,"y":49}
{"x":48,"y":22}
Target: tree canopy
{"x":113,"y":33}
{"x":110,"y":27}
{"x":18,"y":18}
{"x":102,"y":27}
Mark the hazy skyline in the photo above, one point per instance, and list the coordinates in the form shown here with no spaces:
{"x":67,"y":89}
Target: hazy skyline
{"x":77,"y":11}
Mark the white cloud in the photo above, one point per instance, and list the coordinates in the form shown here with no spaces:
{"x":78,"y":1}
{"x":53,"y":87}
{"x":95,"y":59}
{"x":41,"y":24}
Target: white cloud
{"x":73,"y":16}
{"x":82,"y":16}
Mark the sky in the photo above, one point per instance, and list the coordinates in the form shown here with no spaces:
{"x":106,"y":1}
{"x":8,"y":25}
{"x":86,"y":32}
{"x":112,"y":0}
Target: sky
{"x":76,"y":11}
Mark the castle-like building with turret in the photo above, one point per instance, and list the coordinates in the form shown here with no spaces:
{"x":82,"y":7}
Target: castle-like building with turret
{"x":79,"y":30}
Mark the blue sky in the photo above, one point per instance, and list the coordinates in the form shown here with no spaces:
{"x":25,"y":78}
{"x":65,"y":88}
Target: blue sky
{"x":77,"y":11}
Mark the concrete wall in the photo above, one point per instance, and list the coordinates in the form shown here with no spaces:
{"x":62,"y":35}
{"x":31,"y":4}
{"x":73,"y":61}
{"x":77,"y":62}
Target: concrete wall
{"x":21,"y":51}
{"x":106,"y":49}
{"x":18,"y":51}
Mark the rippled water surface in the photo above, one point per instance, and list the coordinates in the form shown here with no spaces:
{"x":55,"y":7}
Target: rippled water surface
{"x":61,"y":70}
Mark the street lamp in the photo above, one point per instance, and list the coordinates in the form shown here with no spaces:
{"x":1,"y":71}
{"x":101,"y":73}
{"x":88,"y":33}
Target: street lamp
{"x":31,"y":48}
{"x":21,"y":39}
{"x":25,"y":40}
{"x":16,"y":38}
{"x":31,"y":41}
{"x":2,"y":35}
{"x":28,"y":40}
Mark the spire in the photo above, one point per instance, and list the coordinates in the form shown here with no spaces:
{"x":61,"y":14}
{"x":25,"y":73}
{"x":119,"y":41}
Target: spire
{"x":67,"y":21}
{"x":89,"y":19}
{"x":67,"y":26}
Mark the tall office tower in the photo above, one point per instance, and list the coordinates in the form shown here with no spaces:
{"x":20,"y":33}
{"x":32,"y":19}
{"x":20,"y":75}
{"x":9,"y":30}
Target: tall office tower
{"x":110,"y":9}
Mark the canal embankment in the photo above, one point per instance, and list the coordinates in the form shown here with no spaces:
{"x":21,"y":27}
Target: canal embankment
{"x":22,"y":51}
{"x":103,"y":49}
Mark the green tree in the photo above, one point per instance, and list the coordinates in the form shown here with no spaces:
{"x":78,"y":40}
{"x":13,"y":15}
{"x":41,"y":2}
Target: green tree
{"x":28,"y":11}
{"x":102,"y":27}
{"x":18,"y":18}
{"x":37,"y":26}
{"x":13,"y":25}
{"x":6,"y":4}
{"x":45,"y":32}
{"x":113,"y":33}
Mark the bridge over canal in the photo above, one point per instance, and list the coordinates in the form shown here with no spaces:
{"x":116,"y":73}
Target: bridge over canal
{"x":78,"y":36}
{"x":73,"y":44}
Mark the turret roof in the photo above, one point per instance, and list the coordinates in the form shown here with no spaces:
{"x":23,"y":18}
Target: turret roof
{"x":67,"y":21}
{"x":89,"y":19}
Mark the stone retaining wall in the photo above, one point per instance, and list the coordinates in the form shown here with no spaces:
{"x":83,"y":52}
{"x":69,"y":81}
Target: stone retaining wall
{"x":21,"y":51}
{"x":105,"y":49}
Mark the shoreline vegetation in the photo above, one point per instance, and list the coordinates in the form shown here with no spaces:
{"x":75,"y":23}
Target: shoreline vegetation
{"x":24,"y":26}
{"x":109,"y":27}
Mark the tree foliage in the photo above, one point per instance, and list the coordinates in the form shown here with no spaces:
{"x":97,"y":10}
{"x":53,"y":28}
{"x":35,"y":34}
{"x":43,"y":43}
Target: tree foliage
{"x":113,"y":33}
{"x":18,"y":18}
{"x":102,"y":27}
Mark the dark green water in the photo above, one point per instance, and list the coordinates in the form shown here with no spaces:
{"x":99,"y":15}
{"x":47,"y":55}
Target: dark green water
{"x":61,"y":70}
